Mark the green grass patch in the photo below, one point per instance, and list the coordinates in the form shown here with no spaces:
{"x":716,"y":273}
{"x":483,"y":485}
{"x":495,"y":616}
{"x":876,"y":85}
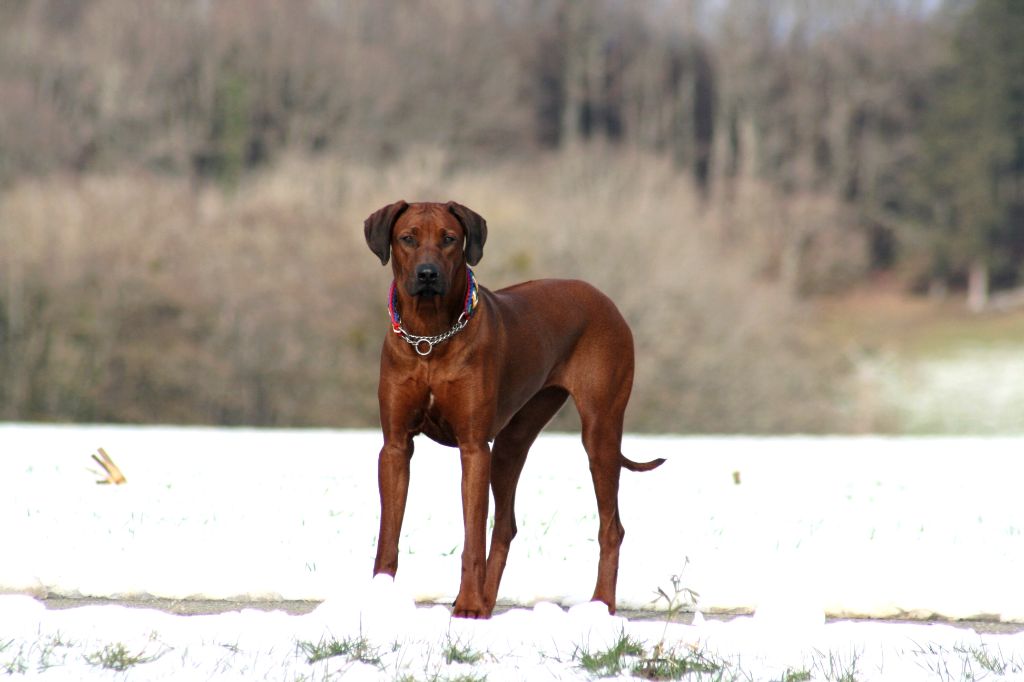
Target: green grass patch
{"x":796,"y":676}
{"x":995,"y":662}
{"x":456,"y":652}
{"x":661,"y":663}
{"x":49,"y":652}
{"x":352,"y":648}
{"x":611,"y":661}
{"x":119,"y":657}
{"x":673,"y":665}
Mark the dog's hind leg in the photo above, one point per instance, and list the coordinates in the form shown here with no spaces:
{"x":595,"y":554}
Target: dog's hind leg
{"x":602,"y":438}
{"x":600,"y":386}
{"x":508,"y":456}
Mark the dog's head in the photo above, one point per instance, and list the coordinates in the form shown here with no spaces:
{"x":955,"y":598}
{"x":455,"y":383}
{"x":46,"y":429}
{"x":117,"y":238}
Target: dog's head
{"x":429,"y":244}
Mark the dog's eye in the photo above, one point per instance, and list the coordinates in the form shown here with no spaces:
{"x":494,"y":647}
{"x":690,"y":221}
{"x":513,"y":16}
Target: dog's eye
{"x":407,"y":240}
{"x":448,"y":239}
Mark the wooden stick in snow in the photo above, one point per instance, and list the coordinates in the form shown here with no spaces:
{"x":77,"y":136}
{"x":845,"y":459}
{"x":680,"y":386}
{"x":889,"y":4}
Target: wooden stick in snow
{"x":114,"y":474}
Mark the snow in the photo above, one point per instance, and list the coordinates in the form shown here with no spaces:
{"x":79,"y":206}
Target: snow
{"x":790,"y":529}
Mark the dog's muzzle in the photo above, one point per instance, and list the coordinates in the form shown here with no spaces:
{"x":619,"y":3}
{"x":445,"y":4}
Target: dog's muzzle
{"x":428,"y":281}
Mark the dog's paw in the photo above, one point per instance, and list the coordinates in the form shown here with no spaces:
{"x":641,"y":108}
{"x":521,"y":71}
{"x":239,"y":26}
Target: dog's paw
{"x":474,"y":615}
{"x":466,"y":608}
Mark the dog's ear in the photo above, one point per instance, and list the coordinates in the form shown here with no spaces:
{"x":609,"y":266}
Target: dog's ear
{"x":476,"y":231}
{"x":377,"y":229}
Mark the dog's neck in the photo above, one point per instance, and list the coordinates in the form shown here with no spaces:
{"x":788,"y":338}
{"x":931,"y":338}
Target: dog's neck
{"x":427,"y":316}
{"x":432,"y":315}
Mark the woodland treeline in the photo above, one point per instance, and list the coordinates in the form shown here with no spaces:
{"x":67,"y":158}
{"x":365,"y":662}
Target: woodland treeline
{"x":172,"y":172}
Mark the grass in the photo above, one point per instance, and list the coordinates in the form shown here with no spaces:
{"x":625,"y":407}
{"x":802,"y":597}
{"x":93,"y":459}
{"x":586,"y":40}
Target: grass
{"x":680,"y":598}
{"x":967,"y":662}
{"x":914,"y":327}
{"x":923,"y":367}
{"x":454,"y":660}
{"x":661,"y":663}
{"x":39,"y":656}
{"x":49,"y":651}
{"x":352,"y":648}
{"x":672,"y":665}
{"x":119,"y":657}
{"x":834,"y":667}
{"x":360,"y":649}
{"x":455,"y":651}
{"x":14,"y":666}
{"x":611,"y":661}
{"x":626,"y":656}
{"x":990,"y":661}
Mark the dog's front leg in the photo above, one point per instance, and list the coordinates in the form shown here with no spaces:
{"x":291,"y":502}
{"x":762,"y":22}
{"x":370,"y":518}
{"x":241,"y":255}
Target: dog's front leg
{"x":393,"y":481}
{"x":476,"y":475}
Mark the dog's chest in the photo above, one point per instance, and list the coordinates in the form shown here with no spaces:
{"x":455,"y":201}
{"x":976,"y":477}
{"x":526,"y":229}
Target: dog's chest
{"x":434,"y":425}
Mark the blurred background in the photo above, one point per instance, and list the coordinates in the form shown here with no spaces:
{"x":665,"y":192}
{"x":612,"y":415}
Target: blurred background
{"x":810,"y":211}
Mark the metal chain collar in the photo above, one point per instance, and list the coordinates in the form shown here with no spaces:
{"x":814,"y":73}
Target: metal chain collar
{"x":417,"y":342}
{"x":431,"y":341}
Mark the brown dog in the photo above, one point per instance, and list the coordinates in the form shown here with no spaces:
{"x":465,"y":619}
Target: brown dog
{"x":467,"y":366}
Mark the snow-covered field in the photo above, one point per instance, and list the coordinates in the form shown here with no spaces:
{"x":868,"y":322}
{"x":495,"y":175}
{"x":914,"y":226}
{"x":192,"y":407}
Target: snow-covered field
{"x":792,"y":528}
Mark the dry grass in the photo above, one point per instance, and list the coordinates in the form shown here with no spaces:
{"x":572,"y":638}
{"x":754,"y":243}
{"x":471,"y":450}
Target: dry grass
{"x":147,"y":299}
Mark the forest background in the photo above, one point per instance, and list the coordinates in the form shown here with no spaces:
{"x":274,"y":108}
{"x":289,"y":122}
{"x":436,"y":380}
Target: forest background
{"x":810,"y":211}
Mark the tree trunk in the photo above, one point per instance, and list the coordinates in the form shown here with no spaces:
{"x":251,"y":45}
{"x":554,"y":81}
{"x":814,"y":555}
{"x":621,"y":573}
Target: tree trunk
{"x":977,"y":286}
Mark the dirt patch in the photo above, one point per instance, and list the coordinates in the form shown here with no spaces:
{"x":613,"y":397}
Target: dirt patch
{"x":206,"y":607}
{"x":184,"y":607}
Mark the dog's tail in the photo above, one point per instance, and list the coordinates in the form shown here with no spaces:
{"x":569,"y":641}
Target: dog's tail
{"x":641,"y":466}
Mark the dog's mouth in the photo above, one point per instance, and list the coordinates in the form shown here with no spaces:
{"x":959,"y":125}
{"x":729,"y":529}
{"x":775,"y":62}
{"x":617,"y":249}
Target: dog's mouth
{"x":427,"y":289}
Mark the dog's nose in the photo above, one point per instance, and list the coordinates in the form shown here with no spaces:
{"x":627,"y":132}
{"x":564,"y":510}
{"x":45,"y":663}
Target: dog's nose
{"x":427,"y":273}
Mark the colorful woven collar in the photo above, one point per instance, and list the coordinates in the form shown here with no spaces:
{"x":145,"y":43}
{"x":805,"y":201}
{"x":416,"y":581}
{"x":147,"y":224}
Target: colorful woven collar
{"x":425,"y":344}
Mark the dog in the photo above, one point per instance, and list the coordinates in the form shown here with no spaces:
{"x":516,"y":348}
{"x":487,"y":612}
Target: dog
{"x":469,"y":367}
